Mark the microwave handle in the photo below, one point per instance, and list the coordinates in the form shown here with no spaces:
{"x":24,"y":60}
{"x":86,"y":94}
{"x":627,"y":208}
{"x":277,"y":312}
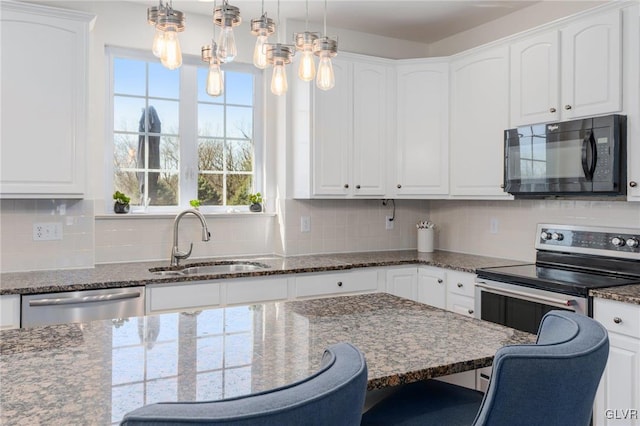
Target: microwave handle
{"x":589,"y":144}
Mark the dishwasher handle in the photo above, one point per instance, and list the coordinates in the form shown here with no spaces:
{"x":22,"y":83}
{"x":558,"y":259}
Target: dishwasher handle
{"x":84,"y":299}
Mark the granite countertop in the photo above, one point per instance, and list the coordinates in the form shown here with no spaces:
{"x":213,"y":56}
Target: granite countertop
{"x":133,"y":274}
{"x":627,"y":293}
{"x":93,"y":373}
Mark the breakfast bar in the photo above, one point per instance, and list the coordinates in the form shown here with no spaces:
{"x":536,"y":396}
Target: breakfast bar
{"x":95,"y":372}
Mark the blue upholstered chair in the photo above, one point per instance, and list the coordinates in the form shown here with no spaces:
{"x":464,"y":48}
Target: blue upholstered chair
{"x":553,"y":382}
{"x":334,"y":395}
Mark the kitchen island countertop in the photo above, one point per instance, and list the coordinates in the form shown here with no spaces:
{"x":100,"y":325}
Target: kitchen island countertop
{"x":93,"y":373}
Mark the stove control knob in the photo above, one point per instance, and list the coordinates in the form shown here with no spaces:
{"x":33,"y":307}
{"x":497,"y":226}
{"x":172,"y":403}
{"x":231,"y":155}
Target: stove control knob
{"x":557,"y":236}
{"x":617,"y":241}
{"x":544,"y":235}
{"x":633,"y":242}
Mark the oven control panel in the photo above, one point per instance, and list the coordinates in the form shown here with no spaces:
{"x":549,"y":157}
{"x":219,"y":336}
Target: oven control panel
{"x":602,"y":241}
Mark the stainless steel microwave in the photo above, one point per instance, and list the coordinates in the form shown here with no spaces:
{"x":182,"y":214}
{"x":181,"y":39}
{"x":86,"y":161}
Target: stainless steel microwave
{"x":585,"y":157}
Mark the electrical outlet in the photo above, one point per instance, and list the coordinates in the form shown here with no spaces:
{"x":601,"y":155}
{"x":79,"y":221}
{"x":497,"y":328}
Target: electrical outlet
{"x":388,"y":223}
{"x":47,"y":231}
{"x":493,"y":225}
{"x":305,"y":224}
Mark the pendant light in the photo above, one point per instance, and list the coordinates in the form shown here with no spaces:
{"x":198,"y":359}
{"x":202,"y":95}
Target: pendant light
{"x":215,"y":76}
{"x":168,"y":22}
{"x":304,"y":43}
{"x":325,"y":48}
{"x":226,"y":17}
{"x":262,"y":27}
{"x":279,"y":55}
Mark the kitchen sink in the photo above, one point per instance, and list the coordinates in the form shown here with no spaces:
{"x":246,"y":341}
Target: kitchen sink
{"x":226,"y":267}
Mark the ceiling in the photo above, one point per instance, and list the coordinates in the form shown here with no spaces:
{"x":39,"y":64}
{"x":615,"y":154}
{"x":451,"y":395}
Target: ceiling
{"x":424,"y":21}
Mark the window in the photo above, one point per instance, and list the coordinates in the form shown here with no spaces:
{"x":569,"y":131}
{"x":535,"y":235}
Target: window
{"x":171,"y":142}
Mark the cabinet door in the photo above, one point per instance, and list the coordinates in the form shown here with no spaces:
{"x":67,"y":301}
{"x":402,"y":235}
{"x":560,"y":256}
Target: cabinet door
{"x":332,"y":130}
{"x":591,"y":66}
{"x":432,"y":288}
{"x":535,"y":73}
{"x":479,"y":116}
{"x":44,"y":61}
{"x":9,"y":311}
{"x":175,"y":297}
{"x":402,"y":282}
{"x":370,"y":135}
{"x":422,"y":156}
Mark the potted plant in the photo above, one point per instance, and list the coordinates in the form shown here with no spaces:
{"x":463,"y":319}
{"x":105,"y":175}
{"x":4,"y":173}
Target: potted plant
{"x":121,"y":204}
{"x":256,"y":202}
{"x":195,"y":204}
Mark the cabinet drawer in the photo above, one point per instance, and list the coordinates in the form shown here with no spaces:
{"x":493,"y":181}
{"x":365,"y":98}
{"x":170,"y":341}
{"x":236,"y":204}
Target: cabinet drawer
{"x":462,"y":283}
{"x":618,"y":317}
{"x":175,"y":297}
{"x":336,"y":283}
{"x":9,"y":311}
{"x":460,"y":304}
{"x":256,"y":290}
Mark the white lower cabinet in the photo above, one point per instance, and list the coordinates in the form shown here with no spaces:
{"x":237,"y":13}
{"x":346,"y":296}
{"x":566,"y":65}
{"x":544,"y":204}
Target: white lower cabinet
{"x":182,"y":296}
{"x":432,"y":287}
{"x":460,"y":292}
{"x":267,"y":289}
{"x":9,"y":311}
{"x":402,"y":282}
{"x":336,"y":283}
{"x":618,"y":398}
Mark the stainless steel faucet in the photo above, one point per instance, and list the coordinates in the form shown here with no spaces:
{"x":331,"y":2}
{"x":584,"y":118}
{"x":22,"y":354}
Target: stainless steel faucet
{"x":176,"y":254}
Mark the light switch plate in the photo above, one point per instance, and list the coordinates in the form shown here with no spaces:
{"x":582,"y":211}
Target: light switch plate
{"x":305,"y":224}
{"x":47,"y":231}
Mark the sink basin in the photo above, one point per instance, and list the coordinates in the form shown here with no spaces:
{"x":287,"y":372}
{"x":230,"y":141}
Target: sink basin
{"x":214,"y":268}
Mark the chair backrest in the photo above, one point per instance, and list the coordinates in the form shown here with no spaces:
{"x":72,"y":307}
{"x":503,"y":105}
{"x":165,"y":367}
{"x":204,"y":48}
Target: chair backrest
{"x":334,"y":395}
{"x":553,"y":382}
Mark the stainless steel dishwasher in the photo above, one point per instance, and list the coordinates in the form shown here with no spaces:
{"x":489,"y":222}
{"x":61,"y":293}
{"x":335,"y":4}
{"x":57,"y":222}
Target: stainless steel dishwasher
{"x":81,"y":306}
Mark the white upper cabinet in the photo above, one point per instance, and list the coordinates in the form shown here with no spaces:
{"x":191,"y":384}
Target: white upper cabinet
{"x":44,"y":79}
{"x":566,"y":73}
{"x":535,"y":74}
{"x":347,"y":145}
{"x":479,"y":116}
{"x":591,"y":66}
{"x":422,"y":134}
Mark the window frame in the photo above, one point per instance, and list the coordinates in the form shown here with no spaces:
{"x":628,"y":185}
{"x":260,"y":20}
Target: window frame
{"x":188,"y":131}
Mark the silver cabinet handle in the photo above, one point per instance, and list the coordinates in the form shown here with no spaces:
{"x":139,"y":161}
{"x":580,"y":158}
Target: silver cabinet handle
{"x":633,"y":184}
{"x":567,"y":107}
{"x":552,"y":110}
{"x":617,"y":320}
{"x":83,"y":299}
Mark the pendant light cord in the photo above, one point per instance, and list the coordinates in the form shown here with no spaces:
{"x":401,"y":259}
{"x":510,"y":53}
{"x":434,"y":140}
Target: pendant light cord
{"x":306,"y":21}
{"x":325,"y":18}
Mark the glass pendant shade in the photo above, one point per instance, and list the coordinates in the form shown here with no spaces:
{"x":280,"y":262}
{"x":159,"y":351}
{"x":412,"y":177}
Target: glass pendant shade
{"x":325,"y":79}
{"x":215,"y":79}
{"x":279,"y":79}
{"x":172,"y":55}
{"x":227,"y":50}
{"x":259,"y":53}
{"x":307,"y":66}
{"x":158,"y":43}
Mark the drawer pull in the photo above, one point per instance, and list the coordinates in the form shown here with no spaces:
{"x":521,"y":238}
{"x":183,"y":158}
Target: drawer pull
{"x":439,"y":280}
{"x":460,"y":285}
{"x":339,"y":283}
{"x":617,"y":320}
{"x":470,"y":311}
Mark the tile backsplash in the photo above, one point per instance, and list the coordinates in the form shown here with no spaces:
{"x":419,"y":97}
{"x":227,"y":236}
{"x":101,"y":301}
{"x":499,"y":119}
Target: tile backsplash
{"x":19,"y":251}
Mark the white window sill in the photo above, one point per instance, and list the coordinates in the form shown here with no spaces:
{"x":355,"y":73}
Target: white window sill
{"x":142,"y":215}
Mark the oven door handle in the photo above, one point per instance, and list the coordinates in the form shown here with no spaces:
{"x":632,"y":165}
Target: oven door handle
{"x":561,"y":303}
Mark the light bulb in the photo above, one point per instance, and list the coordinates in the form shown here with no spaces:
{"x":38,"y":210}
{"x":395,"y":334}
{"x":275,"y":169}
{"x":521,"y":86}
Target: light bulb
{"x":172,"y":55}
{"x":227,"y":50}
{"x":259,"y":53}
{"x":158,"y":43}
{"x":215,"y":79}
{"x":325,"y":79}
{"x":307,"y":67}
{"x":279,"y":79}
